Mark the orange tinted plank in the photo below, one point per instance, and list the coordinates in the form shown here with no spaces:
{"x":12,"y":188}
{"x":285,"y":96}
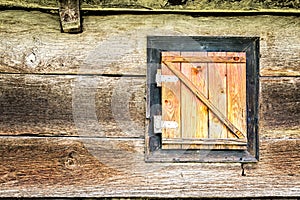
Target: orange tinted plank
{"x":204,"y":59}
{"x":194,"y":114}
{"x":204,"y":100}
{"x":171,"y":103}
{"x":217,"y":95}
{"x":236,"y":77}
{"x":208,"y":143}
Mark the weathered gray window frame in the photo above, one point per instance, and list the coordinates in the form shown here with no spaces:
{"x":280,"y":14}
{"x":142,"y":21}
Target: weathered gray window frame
{"x":158,"y":44}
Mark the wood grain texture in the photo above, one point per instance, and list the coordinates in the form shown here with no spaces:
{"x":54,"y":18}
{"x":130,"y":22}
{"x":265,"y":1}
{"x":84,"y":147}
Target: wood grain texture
{"x":193,"y":121}
{"x":236,"y":93}
{"x":35,"y":101}
{"x":204,"y":100}
{"x":217,"y":94}
{"x":109,"y":47}
{"x":72,"y":105}
{"x":42,"y":105}
{"x":99,"y":167}
{"x":69,"y":13}
{"x":280,"y":107}
{"x":204,"y":59}
{"x":171,"y":103}
{"x":200,"y":143}
{"x":194,"y":115}
{"x":151,"y":4}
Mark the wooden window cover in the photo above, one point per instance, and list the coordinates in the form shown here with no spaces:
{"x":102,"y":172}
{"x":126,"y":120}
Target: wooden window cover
{"x":203,"y":52}
{"x":209,"y":101}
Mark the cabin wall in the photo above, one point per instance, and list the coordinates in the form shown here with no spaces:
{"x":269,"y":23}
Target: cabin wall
{"x":72,"y":108}
{"x":162,"y":4}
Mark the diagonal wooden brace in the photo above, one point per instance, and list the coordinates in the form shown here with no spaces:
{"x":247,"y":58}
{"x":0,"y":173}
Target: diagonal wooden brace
{"x":204,"y":100}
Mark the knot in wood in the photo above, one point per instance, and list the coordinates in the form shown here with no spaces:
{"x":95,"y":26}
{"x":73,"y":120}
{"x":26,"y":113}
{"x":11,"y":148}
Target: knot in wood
{"x":31,"y":60}
{"x":70,"y":163}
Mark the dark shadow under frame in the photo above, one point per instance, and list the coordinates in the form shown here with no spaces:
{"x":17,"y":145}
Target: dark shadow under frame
{"x":158,"y":44}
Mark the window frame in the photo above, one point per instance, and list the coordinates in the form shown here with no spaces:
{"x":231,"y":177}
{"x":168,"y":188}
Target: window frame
{"x":158,"y":44}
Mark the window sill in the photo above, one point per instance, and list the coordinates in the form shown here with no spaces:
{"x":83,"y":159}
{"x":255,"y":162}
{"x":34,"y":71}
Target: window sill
{"x":200,"y":156}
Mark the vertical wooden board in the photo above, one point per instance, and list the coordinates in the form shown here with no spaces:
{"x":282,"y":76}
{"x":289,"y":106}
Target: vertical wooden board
{"x":171,"y":105}
{"x":236,"y":81}
{"x":217,"y":95}
{"x":194,"y":114}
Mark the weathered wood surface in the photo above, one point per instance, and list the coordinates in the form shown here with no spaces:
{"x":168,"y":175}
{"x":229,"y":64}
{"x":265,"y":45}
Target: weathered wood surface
{"x":42,"y":94}
{"x":31,"y":42}
{"x":236,"y":91}
{"x":162,"y":4}
{"x":204,"y":59}
{"x":112,"y":106}
{"x":195,"y":113}
{"x":171,"y":104}
{"x":217,"y":93}
{"x":72,"y":105}
{"x":99,"y":167}
{"x":69,"y":13}
{"x":206,"y":101}
{"x":278,"y":115}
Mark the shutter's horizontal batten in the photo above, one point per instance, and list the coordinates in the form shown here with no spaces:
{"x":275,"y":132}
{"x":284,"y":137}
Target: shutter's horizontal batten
{"x":205,"y":59}
{"x":207,"y":143}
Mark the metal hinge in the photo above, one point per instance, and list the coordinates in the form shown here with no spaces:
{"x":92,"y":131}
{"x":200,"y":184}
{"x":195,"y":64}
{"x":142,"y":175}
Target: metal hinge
{"x":159,"y":124}
{"x":164,"y":78}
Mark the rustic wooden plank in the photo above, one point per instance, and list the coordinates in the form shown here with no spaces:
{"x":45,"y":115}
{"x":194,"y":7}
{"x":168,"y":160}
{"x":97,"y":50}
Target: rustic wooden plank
{"x":205,"y":59}
{"x":63,"y":161}
{"x":217,"y":94}
{"x":205,"y":101}
{"x":102,"y":167}
{"x":31,"y":44}
{"x":206,"y":140}
{"x":244,"y":7}
{"x":201,"y":143}
{"x":236,"y":93}
{"x":280,"y":107}
{"x":194,"y":112}
{"x":72,"y":105}
{"x":189,"y":105}
{"x":69,"y":13}
{"x":171,"y":103}
{"x":189,"y":116}
{"x":42,"y":105}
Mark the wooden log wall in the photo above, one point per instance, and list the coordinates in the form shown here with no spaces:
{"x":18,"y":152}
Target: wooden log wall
{"x":256,"y":5}
{"x":72,"y":109}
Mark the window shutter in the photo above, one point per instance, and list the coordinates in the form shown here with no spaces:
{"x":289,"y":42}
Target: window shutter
{"x":216,"y":119}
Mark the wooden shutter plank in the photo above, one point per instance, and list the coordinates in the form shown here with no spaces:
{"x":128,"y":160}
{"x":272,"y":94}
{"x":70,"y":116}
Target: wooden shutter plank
{"x":207,"y":143}
{"x":171,"y":104}
{"x":217,"y":95}
{"x":237,"y":92}
{"x":204,"y":100}
{"x":207,"y":140}
{"x":202,"y":58}
{"x":194,"y":113}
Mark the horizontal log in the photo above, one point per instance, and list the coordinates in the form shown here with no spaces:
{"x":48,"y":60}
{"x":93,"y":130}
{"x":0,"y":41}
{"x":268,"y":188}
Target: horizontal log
{"x":115,"y":106}
{"x":180,"y":5}
{"x":72,"y":105}
{"x":33,"y":42}
{"x":280,"y":107}
{"x":115,"y":167}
